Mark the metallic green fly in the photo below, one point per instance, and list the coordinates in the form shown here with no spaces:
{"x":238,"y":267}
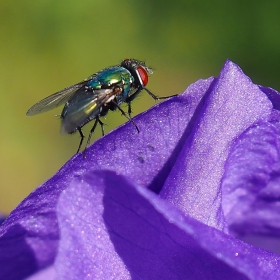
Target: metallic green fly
{"x":95,"y":96}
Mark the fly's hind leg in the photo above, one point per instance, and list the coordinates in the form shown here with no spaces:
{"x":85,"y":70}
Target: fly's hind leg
{"x":102,"y":126}
{"x":82,"y":139}
{"x":92,"y":130}
{"x":97,"y":120}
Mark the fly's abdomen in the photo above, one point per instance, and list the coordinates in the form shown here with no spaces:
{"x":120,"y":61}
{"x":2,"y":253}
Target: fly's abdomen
{"x":83,"y":107}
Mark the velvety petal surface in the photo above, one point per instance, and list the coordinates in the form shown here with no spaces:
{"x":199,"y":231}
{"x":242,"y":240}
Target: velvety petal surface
{"x":48,"y":273}
{"x":251,"y":185}
{"x":232,"y":104}
{"x":113,"y":229}
{"x":273,"y":96}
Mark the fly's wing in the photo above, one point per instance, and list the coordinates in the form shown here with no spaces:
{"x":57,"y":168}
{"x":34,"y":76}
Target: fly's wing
{"x":83,"y":107}
{"x":54,"y":100}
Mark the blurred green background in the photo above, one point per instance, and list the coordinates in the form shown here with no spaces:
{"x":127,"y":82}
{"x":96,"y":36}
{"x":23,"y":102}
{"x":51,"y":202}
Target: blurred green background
{"x":48,"y":45}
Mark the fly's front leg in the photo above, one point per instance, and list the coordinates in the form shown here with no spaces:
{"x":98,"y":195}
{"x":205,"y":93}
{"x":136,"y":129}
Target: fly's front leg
{"x":136,"y":93}
{"x":157,"y":97}
{"x":131,"y":98}
{"x":129,"y":109}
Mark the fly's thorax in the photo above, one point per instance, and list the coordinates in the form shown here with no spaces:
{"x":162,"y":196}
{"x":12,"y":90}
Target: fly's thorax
{"x":116,"y":77}
{"x":111,"y":77}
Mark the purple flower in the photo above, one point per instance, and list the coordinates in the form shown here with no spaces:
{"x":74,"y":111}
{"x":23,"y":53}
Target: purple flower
{"x":194,"y":195}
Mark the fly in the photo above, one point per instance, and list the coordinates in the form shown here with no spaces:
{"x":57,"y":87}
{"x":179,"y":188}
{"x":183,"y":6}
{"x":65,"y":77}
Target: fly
{"x":95,"y":96}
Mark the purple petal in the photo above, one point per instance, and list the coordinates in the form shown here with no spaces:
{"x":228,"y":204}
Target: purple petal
{"x":180,"y":153}
{"x":251,"y":186}
{"x":29,"y":236}
{"x":111,"y":228}
{"x":231,"y":105}
{"x":273,"y":96}
{"x":44,"y":274}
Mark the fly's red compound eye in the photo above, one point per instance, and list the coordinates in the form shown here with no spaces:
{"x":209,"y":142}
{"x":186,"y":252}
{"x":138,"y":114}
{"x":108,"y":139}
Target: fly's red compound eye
{"x":143,"y":76}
